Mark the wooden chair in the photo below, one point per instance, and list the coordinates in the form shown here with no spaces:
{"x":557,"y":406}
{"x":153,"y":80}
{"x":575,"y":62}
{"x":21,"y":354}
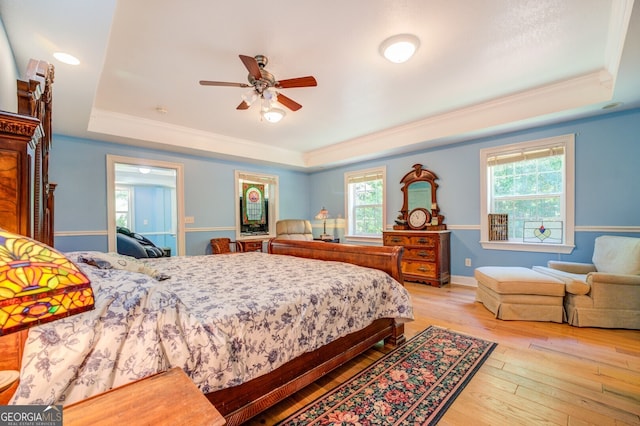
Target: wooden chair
{"x":224,"y":246}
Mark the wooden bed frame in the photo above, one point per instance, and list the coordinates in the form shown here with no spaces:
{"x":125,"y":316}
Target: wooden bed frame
{"x":242,"y":402}
{"x":31,"y":129}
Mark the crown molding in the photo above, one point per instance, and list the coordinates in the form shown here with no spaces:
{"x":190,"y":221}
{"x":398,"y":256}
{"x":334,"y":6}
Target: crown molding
{"x":127,"y":126}
{"x":572,"y":93}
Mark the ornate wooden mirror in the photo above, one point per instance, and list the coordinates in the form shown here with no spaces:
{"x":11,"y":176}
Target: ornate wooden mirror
{"x":420,"y":208}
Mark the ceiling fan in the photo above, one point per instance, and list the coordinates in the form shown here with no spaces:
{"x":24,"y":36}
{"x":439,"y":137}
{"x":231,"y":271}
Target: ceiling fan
{"x":264,"y":85}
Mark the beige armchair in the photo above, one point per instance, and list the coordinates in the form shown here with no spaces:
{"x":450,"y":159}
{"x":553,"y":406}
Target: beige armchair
{"x":294,"y":229}
{"x":605,"y":293}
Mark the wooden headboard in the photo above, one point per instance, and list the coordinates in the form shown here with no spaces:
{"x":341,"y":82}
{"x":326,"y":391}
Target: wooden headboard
{"x":385,"y":258}
{"x":26,"y":196}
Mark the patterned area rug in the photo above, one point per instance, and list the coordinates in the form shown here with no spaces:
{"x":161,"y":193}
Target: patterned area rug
{"x":413,"y":384}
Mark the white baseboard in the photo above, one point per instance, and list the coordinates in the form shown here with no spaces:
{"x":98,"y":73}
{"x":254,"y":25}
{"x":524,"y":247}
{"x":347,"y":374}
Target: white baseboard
{"x":463,"y":280}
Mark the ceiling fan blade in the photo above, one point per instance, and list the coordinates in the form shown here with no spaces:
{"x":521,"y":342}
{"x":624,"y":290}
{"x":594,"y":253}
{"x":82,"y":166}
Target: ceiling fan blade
{"x":252,"y":66}
{"x":243,"y":105}
{"x":288,"y":102}
{"x":223,"y":83}
{"x":297,"y":82}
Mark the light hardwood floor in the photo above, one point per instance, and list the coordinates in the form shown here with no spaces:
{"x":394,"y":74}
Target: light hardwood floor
{"x":540,"y":372}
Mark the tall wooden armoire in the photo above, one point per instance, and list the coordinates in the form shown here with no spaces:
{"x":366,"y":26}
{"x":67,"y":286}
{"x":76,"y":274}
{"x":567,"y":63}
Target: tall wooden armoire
{"x":26,"y":198}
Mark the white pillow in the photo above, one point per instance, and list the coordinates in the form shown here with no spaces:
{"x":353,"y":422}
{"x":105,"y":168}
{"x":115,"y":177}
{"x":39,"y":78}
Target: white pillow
{"x":120,"y":261}
{"x":617,"y":255}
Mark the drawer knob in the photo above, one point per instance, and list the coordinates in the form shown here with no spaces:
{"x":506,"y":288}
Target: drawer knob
{"x":423,"y":253}
{"x":423,"y":241}
{"x":396,"y":240}
{"x":422,"y":269}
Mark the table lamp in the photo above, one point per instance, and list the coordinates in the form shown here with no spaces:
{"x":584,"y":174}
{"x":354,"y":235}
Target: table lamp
{"x":323,"y":214}
{"x":37,"y":284}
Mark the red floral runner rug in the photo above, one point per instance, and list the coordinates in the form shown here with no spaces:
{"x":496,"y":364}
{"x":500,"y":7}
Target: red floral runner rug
{"x":413,"y":384}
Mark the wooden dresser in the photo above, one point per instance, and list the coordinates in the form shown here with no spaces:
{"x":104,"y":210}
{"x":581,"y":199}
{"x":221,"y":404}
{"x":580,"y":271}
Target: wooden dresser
{"x":427,"y":255}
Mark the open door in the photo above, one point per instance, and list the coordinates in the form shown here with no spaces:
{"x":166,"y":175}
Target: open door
{"x":145,"y":196}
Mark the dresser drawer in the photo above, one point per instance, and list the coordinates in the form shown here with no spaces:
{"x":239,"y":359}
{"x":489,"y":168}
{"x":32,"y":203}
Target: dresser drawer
{"x":395,"y":240}
{"x":424,"y":241}
{"x":411,"y":240}
{"x":425,"y":254}
{"x":425,"y":269}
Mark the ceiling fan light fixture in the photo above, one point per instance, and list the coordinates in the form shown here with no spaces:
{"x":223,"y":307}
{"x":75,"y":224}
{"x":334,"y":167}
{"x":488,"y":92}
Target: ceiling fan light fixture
{"x":273,"y":115}
{"x":270,"y":95}
{"x":249,"y":97}
{"x":399,"y":48}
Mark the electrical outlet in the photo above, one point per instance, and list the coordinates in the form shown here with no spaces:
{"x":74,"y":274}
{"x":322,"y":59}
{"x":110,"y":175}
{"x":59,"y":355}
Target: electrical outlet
{"x":467,"y":262}
{"x":189,"y":219}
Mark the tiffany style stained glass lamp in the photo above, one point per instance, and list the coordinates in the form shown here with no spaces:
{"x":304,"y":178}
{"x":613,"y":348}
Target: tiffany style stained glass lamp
{"x":37,"y":284}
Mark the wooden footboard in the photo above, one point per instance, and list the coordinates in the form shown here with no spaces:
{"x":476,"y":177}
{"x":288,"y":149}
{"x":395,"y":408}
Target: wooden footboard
{"x":242,"y":402}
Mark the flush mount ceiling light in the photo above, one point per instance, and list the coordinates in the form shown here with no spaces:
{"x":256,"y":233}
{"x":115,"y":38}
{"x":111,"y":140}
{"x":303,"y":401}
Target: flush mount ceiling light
{"x":399,"y":48}
{"x":66,"y":58}
{"x":273,"y":115}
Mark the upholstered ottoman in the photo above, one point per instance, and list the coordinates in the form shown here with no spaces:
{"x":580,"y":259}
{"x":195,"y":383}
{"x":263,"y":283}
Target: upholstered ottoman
{"x":516,"y":293}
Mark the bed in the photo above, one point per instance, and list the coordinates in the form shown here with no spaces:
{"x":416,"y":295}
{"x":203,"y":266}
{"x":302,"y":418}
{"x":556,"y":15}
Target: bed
{"x":42,"y":353}
{"x":248,"y":328}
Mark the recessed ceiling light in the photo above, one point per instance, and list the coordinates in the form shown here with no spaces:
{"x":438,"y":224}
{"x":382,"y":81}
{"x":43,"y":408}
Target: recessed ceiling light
{"x":612,"y":105}
{"x":399,"y":48}
{"x":66,"y":58}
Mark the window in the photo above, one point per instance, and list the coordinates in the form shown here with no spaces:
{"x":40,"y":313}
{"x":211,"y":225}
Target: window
{"x":532,"y":183}
{"x":256,"y":206}
{"x":365,"y":202}
{"x":123,"y":206}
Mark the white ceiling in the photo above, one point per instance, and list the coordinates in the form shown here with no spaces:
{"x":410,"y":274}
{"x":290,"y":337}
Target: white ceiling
{"x":483,"y":66}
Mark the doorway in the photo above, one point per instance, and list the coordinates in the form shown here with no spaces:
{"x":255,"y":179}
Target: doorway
{"x":146,"y":197}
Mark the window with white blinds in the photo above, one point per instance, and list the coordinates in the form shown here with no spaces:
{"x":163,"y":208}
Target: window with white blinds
{"x":365,"y":202}
{"x":532,"y":183}
{"x":520,"y":155}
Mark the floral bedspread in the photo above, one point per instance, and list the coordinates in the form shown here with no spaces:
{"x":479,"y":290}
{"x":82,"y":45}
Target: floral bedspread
{"x":223,"y":319}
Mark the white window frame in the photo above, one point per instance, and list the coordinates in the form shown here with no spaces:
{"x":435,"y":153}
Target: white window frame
{"x":130,"y":213}
{"x":348,"y":176}
{"x":568,"y":141}
{"x":272,"y":180}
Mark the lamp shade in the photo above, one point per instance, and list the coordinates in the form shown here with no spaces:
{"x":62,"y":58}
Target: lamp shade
{"x":38,"y":284}
{"x":322,"y":214}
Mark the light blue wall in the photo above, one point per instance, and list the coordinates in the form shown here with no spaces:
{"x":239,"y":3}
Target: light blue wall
{"x":78,"y":166}
{"x":607,"y":195}
{"x":607,"y":178}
